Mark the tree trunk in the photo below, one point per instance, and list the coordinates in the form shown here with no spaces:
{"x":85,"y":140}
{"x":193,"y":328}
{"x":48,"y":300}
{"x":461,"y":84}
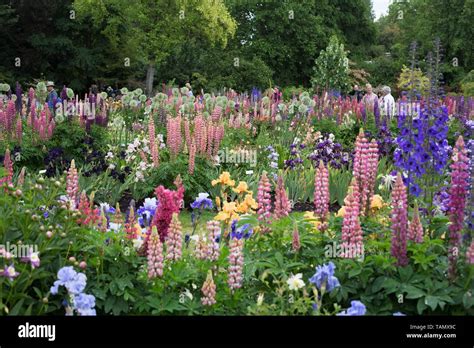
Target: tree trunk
{"x":150,"y":74}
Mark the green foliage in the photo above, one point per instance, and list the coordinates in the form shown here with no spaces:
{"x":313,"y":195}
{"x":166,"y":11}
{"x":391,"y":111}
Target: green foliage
{"x":300,"y":185}
{"x":152,"y":28}
{"x":331,"y":70}
{"x":290,"y":92}
{"x":117,"y":274}
{"x":467,"y":84}
{"x":423,"y":21}
{"x":413,"y":80}
{"x":113,"y":265}
{"x":23,"y":223}
{"x":167,"y":172}
{"x":339,"y":181}
{"x":419,"y":288}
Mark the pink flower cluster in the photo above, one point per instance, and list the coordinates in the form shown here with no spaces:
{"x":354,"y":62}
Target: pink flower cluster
{"x":457,"y":201}
{"x":209,"y":291}
{"x":352,"y":241}
{"x":264,"y":200}
{"x":173,"y":135}
{"x":130,"y":229}
{"x":7,"y":116}
{"x":201,"y":251}
{"x":155,"y":255}
{"x":218,"y":136}
{"x":10,"y":125}
{"x":415,"y":229}
{"x":170,"y":202}
{"x":200,"y":134}
{"x":72,"y":184}
{"x":399,"y":219}
{"x":192,"y":157}
{"x":211,"y":134}
{"x":238,"y":121}
{"x":470,"y":254}
{"x":44,"y":124}
{"x":174,"y":241}
{"x":89,"y":215}
{"x":8,"y":164}
{"x":282,"y":204}
{"x":365,"y":169}
{"x":236,"y":264}
{"x":207,"y":135}
{"x":321,"y":192}
{"x":214,"y":232}
{"x":187,"y":132}
{"x":372,"y":166}
{"x":295,"y":244}
{"x":216,"y":114}
{"x":207,"y":248}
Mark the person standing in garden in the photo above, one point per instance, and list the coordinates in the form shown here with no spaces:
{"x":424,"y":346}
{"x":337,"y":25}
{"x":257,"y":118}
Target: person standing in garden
{"x":357,"y":93}
{"x":370,"y":99}
{"x":387,"y":103}
{"x":52,"y":95}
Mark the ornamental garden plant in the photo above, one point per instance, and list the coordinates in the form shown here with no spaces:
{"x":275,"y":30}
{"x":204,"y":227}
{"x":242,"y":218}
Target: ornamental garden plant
{"x":136,"y":213}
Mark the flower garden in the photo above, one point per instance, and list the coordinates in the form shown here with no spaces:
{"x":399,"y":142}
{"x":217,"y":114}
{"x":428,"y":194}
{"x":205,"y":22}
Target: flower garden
{"x":219,"y":158}
{"x":235,"y":204}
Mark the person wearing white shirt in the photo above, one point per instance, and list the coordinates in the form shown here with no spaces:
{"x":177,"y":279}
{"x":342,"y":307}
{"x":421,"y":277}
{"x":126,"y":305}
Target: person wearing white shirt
{"x":387,"y":103}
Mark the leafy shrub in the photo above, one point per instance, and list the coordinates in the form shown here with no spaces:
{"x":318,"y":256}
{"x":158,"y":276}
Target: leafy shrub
{"x":27,"y":220}
{"x":467,"y":84}
{"x":167,"y":172}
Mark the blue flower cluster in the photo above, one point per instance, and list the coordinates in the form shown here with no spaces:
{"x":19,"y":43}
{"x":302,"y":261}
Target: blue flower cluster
{"x":244,"y":231}
{"x":356,"y":308}
{"x":331,"y":153}
{"x":324,"y":277}
{"x":256,"y":95}
{"x":147,"y":211}
{"x":295,"y":159}
{"x":384,"y":140}
{"x":422,"y":144}
{"x":202,"y":202}
{"x":273,"y":157}
{"x":441,"y":200}
{"x":75,"y":283}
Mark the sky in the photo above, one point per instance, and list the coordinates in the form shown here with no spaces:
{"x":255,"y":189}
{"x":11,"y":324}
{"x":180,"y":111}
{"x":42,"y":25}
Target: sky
{"x":380,"y":7}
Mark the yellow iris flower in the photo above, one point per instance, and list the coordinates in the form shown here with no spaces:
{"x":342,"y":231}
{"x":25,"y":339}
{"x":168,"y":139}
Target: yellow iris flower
{"x":224,"y":179}
{"x":341,"y":212}
{"x":377,"y":202}
{"x":241,"y":188}
{"x":228,"y":212}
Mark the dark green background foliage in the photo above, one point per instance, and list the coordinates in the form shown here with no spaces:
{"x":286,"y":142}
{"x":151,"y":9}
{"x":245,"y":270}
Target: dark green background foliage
{"x":276,"y":42}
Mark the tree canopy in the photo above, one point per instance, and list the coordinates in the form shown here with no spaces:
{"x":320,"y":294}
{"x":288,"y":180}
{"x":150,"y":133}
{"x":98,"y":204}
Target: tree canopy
{"x":222,"y":43}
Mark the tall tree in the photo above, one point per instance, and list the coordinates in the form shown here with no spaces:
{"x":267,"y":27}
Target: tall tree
{"x":425,"y":20}
{"x":150,"y":29}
